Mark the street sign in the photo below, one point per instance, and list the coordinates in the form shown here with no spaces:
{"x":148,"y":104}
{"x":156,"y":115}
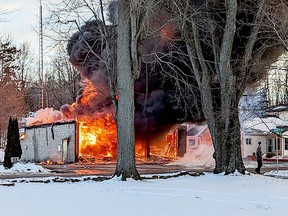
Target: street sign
{"x":277,"y":131}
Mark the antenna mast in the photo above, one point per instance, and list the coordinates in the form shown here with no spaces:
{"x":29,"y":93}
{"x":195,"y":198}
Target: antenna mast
{"x":41,"y":71}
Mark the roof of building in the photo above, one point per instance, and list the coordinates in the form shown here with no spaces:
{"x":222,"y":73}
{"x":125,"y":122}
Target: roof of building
{"x":50,"y":124}
{"x":196,"y":130}
{"x":278,"y":108}
{"x":264,"y":125}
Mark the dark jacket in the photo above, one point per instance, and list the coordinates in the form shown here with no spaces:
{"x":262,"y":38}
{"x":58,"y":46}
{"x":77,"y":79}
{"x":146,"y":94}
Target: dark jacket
{"x":258,"y":153}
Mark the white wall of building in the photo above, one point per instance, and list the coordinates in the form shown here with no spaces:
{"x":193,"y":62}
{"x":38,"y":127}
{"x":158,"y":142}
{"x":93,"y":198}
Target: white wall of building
{"x":46,"y":142}
{"x":249,"y":149}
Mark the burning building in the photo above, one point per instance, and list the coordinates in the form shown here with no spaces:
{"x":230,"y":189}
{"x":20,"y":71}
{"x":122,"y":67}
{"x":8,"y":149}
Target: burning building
{"x":54,"y":142}
{"x":158,"y":102}
{"x":91,"y":140}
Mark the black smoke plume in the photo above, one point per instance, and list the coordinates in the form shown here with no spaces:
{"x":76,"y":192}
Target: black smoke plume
{"x":160,"y":99}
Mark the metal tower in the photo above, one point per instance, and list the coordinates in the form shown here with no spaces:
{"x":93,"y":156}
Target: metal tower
{"x":41,"y":71}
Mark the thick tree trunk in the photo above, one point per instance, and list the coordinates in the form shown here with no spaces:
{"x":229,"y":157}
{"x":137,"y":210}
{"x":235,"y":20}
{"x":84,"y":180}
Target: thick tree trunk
{"x":126,"y":167}
{"x":227,"y":144}
{"x":220,"y":107}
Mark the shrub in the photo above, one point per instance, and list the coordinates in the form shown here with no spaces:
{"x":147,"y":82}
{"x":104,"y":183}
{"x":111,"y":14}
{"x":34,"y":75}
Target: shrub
{"x":270,"y":155}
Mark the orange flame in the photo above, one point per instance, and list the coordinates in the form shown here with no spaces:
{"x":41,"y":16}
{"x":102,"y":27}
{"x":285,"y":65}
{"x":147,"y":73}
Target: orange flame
{"x":89,"y":93}
{"x":167,"y":32}
{"x":22,"y":137}
{"x":97,"y":136}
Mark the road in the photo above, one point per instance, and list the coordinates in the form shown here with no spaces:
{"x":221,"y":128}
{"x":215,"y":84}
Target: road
{"x":77,"y":170}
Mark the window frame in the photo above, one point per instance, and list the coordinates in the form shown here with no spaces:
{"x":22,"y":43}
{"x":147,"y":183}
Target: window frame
{"x":194,"y":142}
{"x":248,"y":141}
{"x":286,"y":144}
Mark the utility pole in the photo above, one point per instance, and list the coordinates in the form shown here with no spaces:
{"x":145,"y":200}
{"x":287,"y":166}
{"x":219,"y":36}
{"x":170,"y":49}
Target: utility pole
{"x":41,"y":71}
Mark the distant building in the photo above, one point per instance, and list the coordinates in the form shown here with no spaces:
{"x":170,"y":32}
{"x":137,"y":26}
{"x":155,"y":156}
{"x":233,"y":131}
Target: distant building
{"x":262,"y":130}
{"x":279,"y":111}
{"x":197,"y":135}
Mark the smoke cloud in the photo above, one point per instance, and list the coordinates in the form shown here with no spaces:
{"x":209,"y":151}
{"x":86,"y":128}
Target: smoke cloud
{"x":157,"y":102}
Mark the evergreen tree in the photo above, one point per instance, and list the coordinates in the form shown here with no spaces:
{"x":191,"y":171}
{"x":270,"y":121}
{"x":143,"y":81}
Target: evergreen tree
{"x":16,"y":150}
{"x":7,"y":157}
{"x":13,"y":147}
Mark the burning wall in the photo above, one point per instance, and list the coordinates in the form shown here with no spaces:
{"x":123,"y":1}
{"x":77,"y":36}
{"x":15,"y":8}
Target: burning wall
{"x":88,"y":140}
{"x":92,"y":139}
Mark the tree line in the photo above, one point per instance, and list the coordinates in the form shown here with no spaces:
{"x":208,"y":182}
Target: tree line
{"x":20,"y":82}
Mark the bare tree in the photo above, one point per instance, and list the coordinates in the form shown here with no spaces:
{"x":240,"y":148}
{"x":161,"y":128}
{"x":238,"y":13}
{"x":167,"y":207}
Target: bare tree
{"x":26,"y":66}
{"x":93,"y":51}
{"x":8,"y":55}
{"x":13,"y":79}
{"x":276,"y":83}
{"x":230,"y":45}
{"x":61,"y":81}
{"x":126,"y":67}
{"x":12,"y":101}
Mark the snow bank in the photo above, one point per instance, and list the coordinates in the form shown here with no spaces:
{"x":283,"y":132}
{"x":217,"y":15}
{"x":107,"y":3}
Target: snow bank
{"x":23,"y":168}
{"x":199,"y":158}
{"x":279,"y":173}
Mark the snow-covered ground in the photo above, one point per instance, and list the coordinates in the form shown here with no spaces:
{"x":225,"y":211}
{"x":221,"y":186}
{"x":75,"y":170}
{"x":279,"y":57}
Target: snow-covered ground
{"x":205,"y":195}
{"x":23,"y":168}
{"x":20,"y":168}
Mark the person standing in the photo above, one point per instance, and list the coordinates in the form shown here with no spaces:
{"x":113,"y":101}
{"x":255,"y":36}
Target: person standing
{"x":259,"y":158}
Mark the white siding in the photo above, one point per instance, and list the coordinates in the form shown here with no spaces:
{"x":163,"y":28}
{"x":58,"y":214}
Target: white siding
{"x":250,"y":149}
{"x":39,"y":144}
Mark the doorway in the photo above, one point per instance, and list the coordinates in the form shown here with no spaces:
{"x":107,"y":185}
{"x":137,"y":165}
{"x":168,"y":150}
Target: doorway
{"x":64,"y":150}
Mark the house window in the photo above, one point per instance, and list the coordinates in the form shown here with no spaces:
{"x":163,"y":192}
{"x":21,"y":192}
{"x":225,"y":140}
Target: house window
{"x":191,"y":142}
{"x":269,"y":146}
{"x":286,"y":143}
{"x":248,"y":141}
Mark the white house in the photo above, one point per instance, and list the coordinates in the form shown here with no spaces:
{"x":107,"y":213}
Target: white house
{"x":264,"y":130}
